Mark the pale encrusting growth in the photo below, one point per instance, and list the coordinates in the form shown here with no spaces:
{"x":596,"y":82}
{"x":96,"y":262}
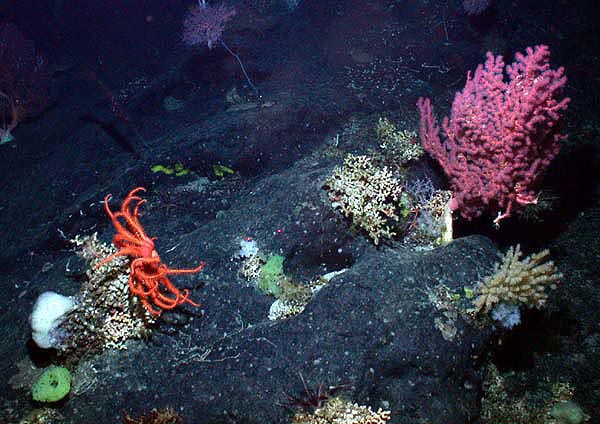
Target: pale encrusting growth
{"x":339,"y":411}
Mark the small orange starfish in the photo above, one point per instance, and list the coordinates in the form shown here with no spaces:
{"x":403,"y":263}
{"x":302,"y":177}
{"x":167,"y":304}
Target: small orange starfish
{"x":148,"y":277}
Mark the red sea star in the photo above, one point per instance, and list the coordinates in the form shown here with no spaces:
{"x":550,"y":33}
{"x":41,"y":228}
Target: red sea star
{"x":148,"y":277}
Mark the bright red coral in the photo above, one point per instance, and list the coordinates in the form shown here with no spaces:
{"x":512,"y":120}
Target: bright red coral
{"x":148,"y":277}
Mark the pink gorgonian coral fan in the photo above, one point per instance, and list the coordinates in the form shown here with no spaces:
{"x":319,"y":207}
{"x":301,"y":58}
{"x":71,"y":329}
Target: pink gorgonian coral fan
{"x":501,"y":135}
{"x":24,"y":80}
{"x":205,"y":23}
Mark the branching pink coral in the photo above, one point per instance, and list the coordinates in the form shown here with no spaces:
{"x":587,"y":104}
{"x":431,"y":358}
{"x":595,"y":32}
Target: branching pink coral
{"x":501,"y":135}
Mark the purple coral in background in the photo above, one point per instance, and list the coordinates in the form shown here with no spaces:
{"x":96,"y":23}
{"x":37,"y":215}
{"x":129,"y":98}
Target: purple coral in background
{"x":24,"y":80}
{"x":476,"y":7}
{"x":205,"y":24}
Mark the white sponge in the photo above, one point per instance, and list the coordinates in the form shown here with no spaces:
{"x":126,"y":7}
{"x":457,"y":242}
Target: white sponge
{"x":49,"y":311}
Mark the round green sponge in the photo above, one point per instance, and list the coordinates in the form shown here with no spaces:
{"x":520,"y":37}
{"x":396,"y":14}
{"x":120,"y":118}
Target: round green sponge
{"x":53,"y":385}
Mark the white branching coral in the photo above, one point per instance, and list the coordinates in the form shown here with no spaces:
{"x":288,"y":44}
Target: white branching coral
{"x":339,"y":411}
{"x":518,"y":281}
{"x":400,"y":146}
{"x":366,"y":194}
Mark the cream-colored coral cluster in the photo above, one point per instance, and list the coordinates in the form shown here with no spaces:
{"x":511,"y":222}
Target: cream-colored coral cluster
{"x":339,"y":411}
{"x":121,"y":326}
{"x":93,"y":250}
{"x":285,"y":308}
{"x":251,"y":266}
{"x":366,"y":194}
{"x":400,"y":146}
{"x":106,"y":316}
{"x":553,"y":405}
{"x":518,"y":281}
{"x":437,"y":204}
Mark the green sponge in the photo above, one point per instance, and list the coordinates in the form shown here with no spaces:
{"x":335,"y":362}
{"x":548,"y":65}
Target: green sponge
{"x":271,"y":275}
{"x":53,"y":385}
